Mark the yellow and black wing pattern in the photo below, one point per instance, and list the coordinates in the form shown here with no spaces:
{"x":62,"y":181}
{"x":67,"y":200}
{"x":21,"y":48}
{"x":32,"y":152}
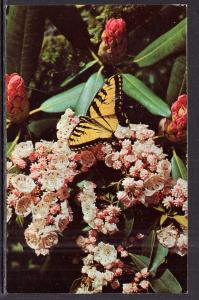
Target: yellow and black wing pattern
{"x":103,"y":116}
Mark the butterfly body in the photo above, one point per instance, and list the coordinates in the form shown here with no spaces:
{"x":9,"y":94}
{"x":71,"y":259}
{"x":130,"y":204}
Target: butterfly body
{"x":103,"y":116}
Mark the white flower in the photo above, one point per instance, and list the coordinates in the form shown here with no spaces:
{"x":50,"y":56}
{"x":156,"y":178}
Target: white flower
{"x":89,"y":210}
{"x":23,"y":206}
{"x":105,"y":253}
{"x":83,"y":289}
{"x":88,"y":260}
{"x":23,"y":183}
{"x":127,"y":288}
{"x":153,"y":184}
{"x":164,"y":168}
{"x":32,"y":237}
{"x":40,"y":211}
{"x":144,"y":284}
{"x":181,"y":244}
{"x":167,"y":236}
{"x":52,"y":180}
{"x":122,"y":132}
{"x":23,"y":149}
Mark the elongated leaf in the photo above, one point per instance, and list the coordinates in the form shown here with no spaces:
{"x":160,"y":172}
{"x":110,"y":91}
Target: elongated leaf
{"x":128,"y":226}
{"x":87,"y":66}
{"x":168,"y":43}
{"x":182,"y":220}
{"x":64,"y":100}
{"x":137,"y":90}
{"x":14,"y":37}
{"x":69,"y":22}
{"x":25,"y":29}
{"x":167,"y":283}
{"x":163,"y":218}
{"x":177,"y":79}
{"x":93,"y":84}
{"x":148,"y":244}
{"x":39,"y":126}
{"x":178,"y":168}
{"x":140,"y":261}
{"x":20,"y":221}
{"x":158,"y":258}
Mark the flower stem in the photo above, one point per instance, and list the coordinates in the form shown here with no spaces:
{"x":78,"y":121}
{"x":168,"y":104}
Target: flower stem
{"x":34,"y":111}
{"x":14,"y":142}
{"x":95,"y":57}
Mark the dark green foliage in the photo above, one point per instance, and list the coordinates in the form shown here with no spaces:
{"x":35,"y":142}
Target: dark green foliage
{"x":25,"y":29}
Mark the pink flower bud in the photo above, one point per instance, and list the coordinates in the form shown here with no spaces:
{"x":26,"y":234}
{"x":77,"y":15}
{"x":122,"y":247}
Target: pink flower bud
{"x":175,"y":129}
{"x":55,"y":209}
{"x":49,"y":220}
{"x":16,"y":100}
{"x":114,"y":41}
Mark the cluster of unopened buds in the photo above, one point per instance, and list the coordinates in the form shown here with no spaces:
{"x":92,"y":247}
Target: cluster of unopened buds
{"x":175,"y":129}
{"x":102,"y":265}
{"x":114,"y":41}
{"x":139,"y":284}
{"x":17,"y":104}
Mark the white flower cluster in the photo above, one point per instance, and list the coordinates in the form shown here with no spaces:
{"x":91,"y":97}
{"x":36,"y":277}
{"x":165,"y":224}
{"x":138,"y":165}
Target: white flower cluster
{"x":174,"y":239}
{"x":41,"y":190}
{"x":101,"y":265}
{"x":103,"y":220}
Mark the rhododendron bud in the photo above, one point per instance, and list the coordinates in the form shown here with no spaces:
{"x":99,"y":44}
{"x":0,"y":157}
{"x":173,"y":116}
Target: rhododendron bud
{"x":114,"y":41}
{"x":175,"y":129}
{"x":16,"y":99}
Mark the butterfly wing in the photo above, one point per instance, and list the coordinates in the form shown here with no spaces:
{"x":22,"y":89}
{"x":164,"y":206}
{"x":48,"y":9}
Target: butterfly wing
{"x":103,"y":116}
{"x":87,"y":133}
{"x":107,"y":106}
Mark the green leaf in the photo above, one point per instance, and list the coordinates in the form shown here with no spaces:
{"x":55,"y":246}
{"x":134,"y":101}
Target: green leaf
{"x":178,"y":168}
{"x":39,"y":126}
{"x":163,"y":218}
{"x":20,"y":221}
{"x":17,"y":247}
{"x":69,"y":22}
{"x":87,"y":228}
{"x":128,"y":226}
{"x":92,"y":86}
{"x":182,"y":220}
{"x":140,"y":261}
{"x":87,"y":66}
{"x":177,"y":80}
{"x":167,"y":283}
{"x":25,"y":30}
{"x":148,"y":244}
{"x":158,"y":258}
{"x":168,"y":43}
{"x":137,"y":90}
{"x":60,"y":102}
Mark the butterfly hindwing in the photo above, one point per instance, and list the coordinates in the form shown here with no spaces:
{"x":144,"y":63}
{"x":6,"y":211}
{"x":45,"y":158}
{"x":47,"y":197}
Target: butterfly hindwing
{"x":103,"y":116}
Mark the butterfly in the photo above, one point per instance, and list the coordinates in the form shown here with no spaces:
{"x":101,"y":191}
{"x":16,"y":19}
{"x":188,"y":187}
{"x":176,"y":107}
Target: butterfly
{"x":103,"y":116}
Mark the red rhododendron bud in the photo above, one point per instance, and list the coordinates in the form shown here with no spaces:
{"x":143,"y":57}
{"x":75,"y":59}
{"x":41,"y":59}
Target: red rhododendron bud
{"x":114,"y":41}
{"x":175,"y":129}
{"x":16,"y":100}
